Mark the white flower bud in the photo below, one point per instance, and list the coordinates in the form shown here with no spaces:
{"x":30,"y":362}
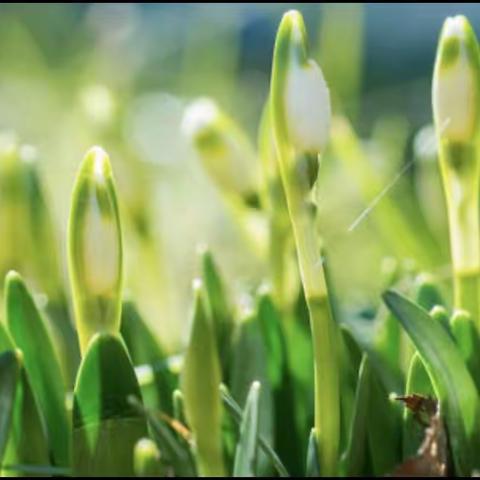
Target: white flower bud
{"x":224,"y":149}
{"x":456,"y":82}
{"x":307,"y":107}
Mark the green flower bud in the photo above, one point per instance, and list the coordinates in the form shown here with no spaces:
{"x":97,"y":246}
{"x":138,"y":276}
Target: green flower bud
{"x":95,"y":248}
{"x":456,"y":82}
{"x":456,"y":97}
{"x":224,"y":149}
{"x":300,"y":96}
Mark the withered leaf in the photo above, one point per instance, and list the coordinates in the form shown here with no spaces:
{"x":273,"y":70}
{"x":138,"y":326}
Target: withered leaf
{"x":431,"y":458}
{"x":178,"y":426}
{"x":423,"y":408}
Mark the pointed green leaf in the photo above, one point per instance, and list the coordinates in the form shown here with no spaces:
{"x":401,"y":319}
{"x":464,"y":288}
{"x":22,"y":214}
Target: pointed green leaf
{"x":354,"y":458}
{"x":287,"y":438}
{"x":218,"y":306}
{"x":246,"y":453}
{"x":249,"y":363}
{"x":145,"y":350}
{"x":28,"y":443}
{"x":236,"y":412}
{"x":106,"y":426}
{"x":312,"y":468}
{"x":200,"y":379}
{"x":453,"y":384}
{"x":350,"y":358}
{"x":31,"y":336}
{"x":10,"y":365}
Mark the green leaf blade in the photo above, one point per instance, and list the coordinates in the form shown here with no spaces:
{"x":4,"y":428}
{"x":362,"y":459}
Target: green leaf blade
{"x":106,"y":425}
{"x":29,"y":332}
{"x":10,"y":365}
{"x":246,"y":453}
{"x":452,"y":382}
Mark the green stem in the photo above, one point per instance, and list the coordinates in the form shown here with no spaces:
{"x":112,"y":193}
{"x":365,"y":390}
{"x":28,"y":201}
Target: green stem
{"x":327,"y":398}
{"x":460,"y":173}
{"x":324,"y":333}
{"x":277,"y":257}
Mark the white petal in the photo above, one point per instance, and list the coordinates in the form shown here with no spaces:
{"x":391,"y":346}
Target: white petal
{"x":307,"y":107}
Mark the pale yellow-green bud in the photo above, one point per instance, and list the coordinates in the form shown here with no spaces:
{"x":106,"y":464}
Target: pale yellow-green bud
{"x":95,"y":248}
{"x":225,"y":151}
{"x":300,"y":96}
{"x":456,"y":82}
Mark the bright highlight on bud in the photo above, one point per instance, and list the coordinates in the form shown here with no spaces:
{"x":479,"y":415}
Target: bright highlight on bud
{"x":95,"y":248}
{"x":224,"y":149}
{"x":300,"y":94}
{"x":456,"y":82}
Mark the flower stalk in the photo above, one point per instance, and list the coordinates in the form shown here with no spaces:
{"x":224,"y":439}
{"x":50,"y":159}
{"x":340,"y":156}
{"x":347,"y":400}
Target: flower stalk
{"x":300,"y":110}
{"x":456,"y":97}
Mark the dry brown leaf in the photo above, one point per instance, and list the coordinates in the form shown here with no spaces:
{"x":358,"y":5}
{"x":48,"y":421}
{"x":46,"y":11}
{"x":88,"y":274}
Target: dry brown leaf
{"x":431,"y":458}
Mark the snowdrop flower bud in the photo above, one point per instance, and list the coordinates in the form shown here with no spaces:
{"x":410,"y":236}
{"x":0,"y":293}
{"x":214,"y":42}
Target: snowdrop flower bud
{"x":95,"y":248}
{"x":456,"y":80}
{"x":300,"y":96}
{"x":224,"y":149}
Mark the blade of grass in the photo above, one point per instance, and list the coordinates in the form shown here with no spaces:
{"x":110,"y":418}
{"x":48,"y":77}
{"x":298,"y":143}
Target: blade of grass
{"x":200,"y":378}
{"x":246,"y":452}
{"x":353,"y":459}
{"x":312,"y":467}
{"x":250,"y":363}
{"x":236,"y":413}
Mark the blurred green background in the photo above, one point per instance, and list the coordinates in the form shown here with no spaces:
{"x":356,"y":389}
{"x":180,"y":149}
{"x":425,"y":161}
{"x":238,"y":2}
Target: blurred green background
{"x":120,"y":75}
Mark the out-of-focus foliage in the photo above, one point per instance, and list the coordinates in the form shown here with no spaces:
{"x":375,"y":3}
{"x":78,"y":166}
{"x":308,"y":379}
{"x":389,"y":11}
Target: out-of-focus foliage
{"x":295,"y":178}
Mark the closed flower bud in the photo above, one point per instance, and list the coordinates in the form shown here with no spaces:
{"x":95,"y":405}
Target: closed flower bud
{"x":224,"y":149}
{"x":456,"y":82}
{"x":95,"y":248}
{"x":300,"y":96}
